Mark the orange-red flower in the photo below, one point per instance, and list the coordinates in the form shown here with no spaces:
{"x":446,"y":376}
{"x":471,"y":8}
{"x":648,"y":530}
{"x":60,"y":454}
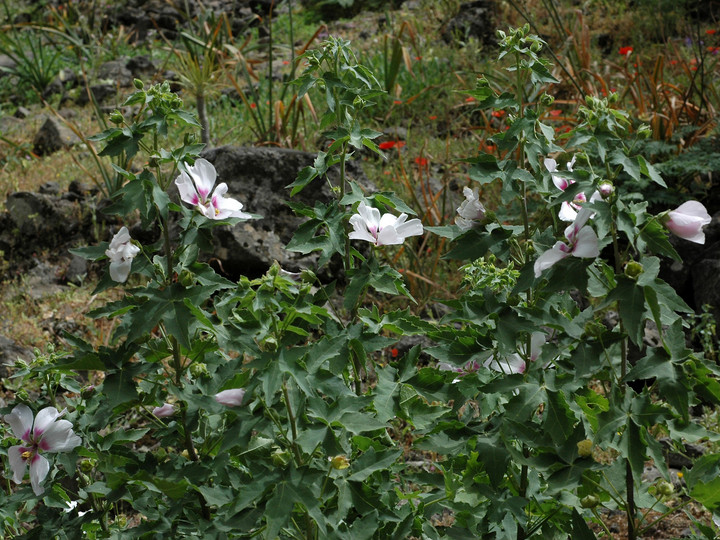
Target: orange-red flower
{"x":498,"y":114}
{"x":624,"y":51}
{"x":387,"y":145}
{"x":711,"y":31}
{"x":556,"y":112}
{"x":421,"y":161}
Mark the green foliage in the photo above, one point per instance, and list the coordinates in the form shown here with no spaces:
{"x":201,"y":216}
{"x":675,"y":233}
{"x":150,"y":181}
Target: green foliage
{"x":496,"y":424}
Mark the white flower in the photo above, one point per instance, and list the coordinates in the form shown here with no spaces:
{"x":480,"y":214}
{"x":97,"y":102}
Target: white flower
{"x":230,"y":398}
{"x":195,"y":187}
{"x":121,"y":253}
{"x":164,"y":411}
{"x":583,"y":242}
{"x":688,"y":220}
{"x":509,"y":365}
{"x":46,"y":434}
{"x":470,"y":211}
{"x":382,"y":231}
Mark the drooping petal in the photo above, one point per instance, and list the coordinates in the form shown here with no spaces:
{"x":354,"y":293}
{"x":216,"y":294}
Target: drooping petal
{"x":17,"y":463}
{"x":21,"y":421}
{"x":165,"y":411}
{"x":586,"y":244}
{"x":558,"y":252}
{"x":120,"y":270}
{"x":204,"y":175}
{"x":232,"y":397}
{"x":39,"y":468}
{"x":687,"y":221}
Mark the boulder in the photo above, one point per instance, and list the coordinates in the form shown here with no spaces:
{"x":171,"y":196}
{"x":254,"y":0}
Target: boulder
{"x":258,"y":177}
{"x":52,"y":136}
{"x":475,"y":19}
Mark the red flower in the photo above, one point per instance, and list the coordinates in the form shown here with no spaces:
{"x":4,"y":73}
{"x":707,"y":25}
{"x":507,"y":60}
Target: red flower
{"x":624,"y":51}
{"x":711,"y":31}
{"x":421,"y":161}
{"x":397,"y":102}
{"x":498,"y":114}
{"x":387,"y":145}
{"x":394,"y":352}
{"x":253,"y":106}
{"x":433,"y":117}
{"x":469,"y":99}
{"x":673,"y":62}
{"x":556,"y":112}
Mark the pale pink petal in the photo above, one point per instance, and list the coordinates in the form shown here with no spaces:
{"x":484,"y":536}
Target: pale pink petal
{"x":203,"y":174}
{"x":558,"y":252}
{"x":688,"y":220}
{"x":567,"y":212}
{"x":165,"y":411}
{"x":230,"y":398}
{"x":413,"y":227}
{"x":44,"y":419}
{"x":17,"y":463}
{"x":21,"y":421}
{"x":586,"y":244}
{"x":59,"y":437}
{"x":187,"y":190}
{"x":39,"y":469}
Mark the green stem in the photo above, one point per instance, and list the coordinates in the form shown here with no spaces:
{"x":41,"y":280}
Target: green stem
{"x":293,"y":427}
{"x":650,"y":525}
{"x":602,"y":523}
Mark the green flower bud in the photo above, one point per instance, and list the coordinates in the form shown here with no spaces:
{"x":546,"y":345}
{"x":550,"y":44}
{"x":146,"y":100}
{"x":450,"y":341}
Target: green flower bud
{"x":339,"y":462}
{"x":199,"y":370}
{"x":613,"y":97}
{"x":308,"y":275}
{"x":138,"y":84}
{"x":535,"y":47}
{"x":526,"y":29}
{"x":633,"y":269}
{"x":116,"y":117}
{"x":665,"y":488}
{"x":121,"y":521}
{"x":547,"y":99}
{"x":644,"y":131}
{"x":269,"y":345}
{"x":585,"y":448}
{"x":280,"y":458}
{"x":22,"y":395}
{"x":590,"y":501}
{"x":87,"y":392}
{"x":186,"y":278}
{"x":87,"y":465}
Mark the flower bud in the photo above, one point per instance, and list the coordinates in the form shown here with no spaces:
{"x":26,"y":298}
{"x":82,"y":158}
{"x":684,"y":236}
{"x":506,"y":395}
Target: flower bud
{"x":526,"y":29}
{"x":501,"y":34}
{"x":86,"y":465}
{"x":165,"y":411}
{"x":613,"y":98}
{"x":308,"y":276}
{"x":137,"y":83}
{"x":546,"y":99}
{"x":269,"y":345}
{"x":199,"y":370}
{"x":232,"y":397}
{"x":606,"y":189}
{"x":535,"y":47}
{"x":590,"y":501}
{"x":665,"y":488}
{"x":22,"y":395}
{"x":339,"y":462}
{"x":87,"y":392}
{"x":280,"y":458}
{"x":116,"y":117}
{"x":186,"y":278}
{"x":633,"y":269}
{"x":644,"y":131}
{"x":585,"y":448}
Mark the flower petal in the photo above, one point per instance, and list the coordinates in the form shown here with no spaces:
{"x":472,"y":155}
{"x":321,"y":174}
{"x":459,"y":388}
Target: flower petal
{"x":17,"y":463}
{"x":59,"y":437}
{"x":187,"y":190}
{"x":44,"y":419}
{"x":204,"y":175}
{"x":586,"y":244}
{"x":39,"y":469}
{"x":413,"y":227}
{"x":21,"y":421}
{"x":232,"y":397}
{"x":120,"y":270}
{"x":550,"y":257}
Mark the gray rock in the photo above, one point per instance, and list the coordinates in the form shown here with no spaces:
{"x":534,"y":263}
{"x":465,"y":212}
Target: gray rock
{"x":258,"y":177}
{"x":10,"y":351}
{"x":52,"y":136}
{"x":117,"y":72}
{"x":475,"y":19}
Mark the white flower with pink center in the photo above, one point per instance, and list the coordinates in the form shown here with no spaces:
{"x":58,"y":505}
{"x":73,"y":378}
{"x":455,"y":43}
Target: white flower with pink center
{"x":382,"y":231}
{"x":196,"y":188}
{"x":46,"y":434}
{"x":687,"y":221}
{"x":582,"y":242}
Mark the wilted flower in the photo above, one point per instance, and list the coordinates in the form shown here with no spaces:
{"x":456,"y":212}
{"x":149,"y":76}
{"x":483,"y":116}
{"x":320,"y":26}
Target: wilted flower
{"x":195,"y":187}
{"x":688,"y":220}
{"x":121,"y":252}
{"x":471,"y":210}
{"x":583,"y":242}
{"x":164,"y":411}
{"x":232,"y":397}
{"x":46,"y":434}
{"x":382,"y":231}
